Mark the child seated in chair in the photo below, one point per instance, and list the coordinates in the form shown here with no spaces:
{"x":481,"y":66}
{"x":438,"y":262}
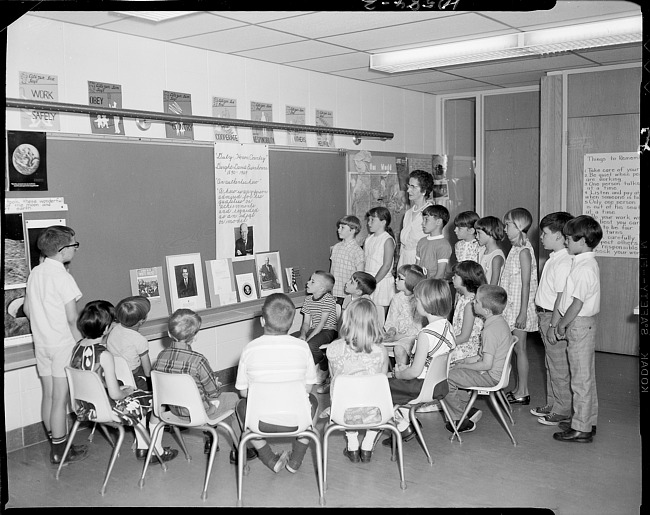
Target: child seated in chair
{"x":485,"y":368}
{"x":179,"y":358}
{"x":272,"y":355}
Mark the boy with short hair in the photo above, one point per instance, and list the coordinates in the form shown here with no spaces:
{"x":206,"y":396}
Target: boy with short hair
{"x":179,"y":358}
{"x":577,"y":309}
{"x":486,"y":367}
{"x":548,"y":296}
{"x":433,"y":251}
{"x":319,"y":319}
{"x":360,"y":284}
{"x":346,"y":256}
{"x":124,"y":339}
{"x":275,"y":355}
{"x":51,"y":305}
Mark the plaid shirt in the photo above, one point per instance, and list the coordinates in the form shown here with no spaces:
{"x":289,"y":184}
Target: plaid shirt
{"x":346,"y":258}
{"x":185,"y":361}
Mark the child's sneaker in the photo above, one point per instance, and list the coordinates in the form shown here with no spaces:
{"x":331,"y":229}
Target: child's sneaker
{"x":429,"y":407}
{"x":541,"y":411}
{"x":281,"y":462}
{"x":553,"y":419}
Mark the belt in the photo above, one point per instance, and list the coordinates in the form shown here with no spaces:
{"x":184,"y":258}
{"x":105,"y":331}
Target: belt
{"x":542,"y":310}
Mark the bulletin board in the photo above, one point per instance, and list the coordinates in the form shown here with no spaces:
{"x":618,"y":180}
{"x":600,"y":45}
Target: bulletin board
{"x":132,"y":202}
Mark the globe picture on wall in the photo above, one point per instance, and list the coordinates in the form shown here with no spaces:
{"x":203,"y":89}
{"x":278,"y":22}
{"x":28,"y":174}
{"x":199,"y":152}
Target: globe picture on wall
{"x":26,"y":159}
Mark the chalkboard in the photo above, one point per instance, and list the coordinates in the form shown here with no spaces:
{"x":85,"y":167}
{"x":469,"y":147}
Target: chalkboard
{"x":133,"y":202}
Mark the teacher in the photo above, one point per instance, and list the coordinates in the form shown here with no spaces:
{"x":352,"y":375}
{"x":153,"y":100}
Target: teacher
{"x":419,"y":190}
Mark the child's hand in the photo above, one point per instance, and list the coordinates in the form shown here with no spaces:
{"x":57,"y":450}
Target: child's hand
{"x":550,"y":334}
{"x":520,"y":323}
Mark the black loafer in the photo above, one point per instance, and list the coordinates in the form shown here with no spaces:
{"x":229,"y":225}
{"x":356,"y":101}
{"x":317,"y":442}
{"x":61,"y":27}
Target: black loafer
{"x":168,"y":455}
{"x":524,"y":401}
{"x":574,"y":436}
{"x":565,"y":426}
{"x":353,"y":456}
{"x":366,"y":456}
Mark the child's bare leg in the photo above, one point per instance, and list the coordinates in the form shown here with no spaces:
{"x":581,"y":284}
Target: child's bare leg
{"x":46,"y":403}
{"x":521,"y":388}
{"x":58,"y":408}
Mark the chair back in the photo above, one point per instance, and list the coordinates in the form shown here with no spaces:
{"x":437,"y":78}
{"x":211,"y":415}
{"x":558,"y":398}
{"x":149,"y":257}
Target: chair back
{"x":435,"y":384}
{"x":85,"y":385}
{"x":361,"y":391}
{"x":123,"y":372}
{"x":505,"y":374}
{"x":177,"y":390}
{"x":280,"y":403}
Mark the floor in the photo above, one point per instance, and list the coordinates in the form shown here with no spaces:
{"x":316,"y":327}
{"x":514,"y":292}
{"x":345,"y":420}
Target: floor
{"x":486,"y":470}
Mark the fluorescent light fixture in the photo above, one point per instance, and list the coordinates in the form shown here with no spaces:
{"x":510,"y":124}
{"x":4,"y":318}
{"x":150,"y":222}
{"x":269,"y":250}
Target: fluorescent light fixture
{"x":539,"y":42}
{"x":155,"y":15}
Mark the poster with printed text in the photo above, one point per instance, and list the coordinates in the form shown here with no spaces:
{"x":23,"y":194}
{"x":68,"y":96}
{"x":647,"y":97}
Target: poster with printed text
{"x":103,"y":94}
{"x":262,"y":112}
{"x":242,"y":196}
{"x":44,"y":87}
{"x":325,"y":119}
{"x":611,"y":194}
{"x":180,"y":104}
{"x":296,"y":116}
{"x":225,"y":108}
{"x":26,"y":161}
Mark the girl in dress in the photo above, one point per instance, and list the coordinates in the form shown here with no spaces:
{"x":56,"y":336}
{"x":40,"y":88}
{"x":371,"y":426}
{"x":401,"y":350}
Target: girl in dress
{"x":403,"y":322}
{"x":519,"y":279}
{"x":466,"y":248}
{"x":379,"y":249}
{"x":419,"y":190}
{"x":359,"y":351}
{"x":490,"y":231}
{"x":468,"y":276}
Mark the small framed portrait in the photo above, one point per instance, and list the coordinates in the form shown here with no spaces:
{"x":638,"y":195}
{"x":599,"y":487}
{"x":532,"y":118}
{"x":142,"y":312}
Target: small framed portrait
{"x":269,"y":272}
{"x":186,"y":281}
{"x":243,"y":240}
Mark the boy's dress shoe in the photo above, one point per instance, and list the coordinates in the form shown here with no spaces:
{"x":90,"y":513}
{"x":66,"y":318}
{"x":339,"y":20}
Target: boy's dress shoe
{"x":573,"y":436}
{"x":168,"y":455}
{"x":76,"y":453}
{"x":366,"y":456}
{"x":524,"y":401}
{"x":251,"y":454}
{"x":566,"y":426}
{"x":407,"y":435}
{"x":353,"y":456}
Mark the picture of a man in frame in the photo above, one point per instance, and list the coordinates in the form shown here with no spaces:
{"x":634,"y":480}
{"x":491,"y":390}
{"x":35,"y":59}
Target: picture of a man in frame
{"x":243,"y":243}
{"x":185,"y":281}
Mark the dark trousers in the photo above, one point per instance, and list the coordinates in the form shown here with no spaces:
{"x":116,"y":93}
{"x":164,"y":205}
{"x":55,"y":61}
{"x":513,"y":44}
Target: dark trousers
{"x":325,"y":336}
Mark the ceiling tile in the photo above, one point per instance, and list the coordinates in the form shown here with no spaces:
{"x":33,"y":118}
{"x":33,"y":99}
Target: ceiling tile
{"x":414,"y":78}
{"x":90,"y":18}
{"x":613,"y":55}
{"x":239,"y":39}
{"x":334,"y":63}
{"x":420,"y":33}
{"x":259,"y":16}
{"x":331,"y":23}
{"x":293,"y":51}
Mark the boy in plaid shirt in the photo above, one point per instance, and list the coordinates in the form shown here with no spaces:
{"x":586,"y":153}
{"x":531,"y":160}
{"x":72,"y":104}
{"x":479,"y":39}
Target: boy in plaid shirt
{"x":346,"y":256}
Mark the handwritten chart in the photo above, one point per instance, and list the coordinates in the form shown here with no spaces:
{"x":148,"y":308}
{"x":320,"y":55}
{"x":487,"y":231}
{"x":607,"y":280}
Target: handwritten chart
{"x":611,"y":191}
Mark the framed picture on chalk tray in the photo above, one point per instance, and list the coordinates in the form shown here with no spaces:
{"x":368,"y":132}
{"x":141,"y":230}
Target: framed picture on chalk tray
{"x":185,"y":276}
{"x":269,"y":272}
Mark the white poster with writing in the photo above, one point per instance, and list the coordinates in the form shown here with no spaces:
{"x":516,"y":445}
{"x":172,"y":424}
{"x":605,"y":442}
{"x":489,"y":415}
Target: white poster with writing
{"x":611,"y":194}
{"x":39,"y":86}
{"x":242,"y":198}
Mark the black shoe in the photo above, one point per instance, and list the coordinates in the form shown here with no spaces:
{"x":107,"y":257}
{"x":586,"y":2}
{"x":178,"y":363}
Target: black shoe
{"x":366,"y":456}
{"x":207,"y":445}
{"x":573,"y":436}
{"x":566,"y":426}
{"x":168,"y":455}
{"x":76,"y":453}
{"x":524,"y":401}
{"x":169,"y":428}
{"x":467,"y":427}
{"x":251,"y":454}
{"x":353,"y":456}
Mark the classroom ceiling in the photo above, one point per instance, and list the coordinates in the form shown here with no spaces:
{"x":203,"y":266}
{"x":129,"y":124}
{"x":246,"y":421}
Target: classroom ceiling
{"x":341,"y":43}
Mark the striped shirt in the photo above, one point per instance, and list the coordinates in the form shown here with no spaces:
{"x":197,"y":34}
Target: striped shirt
{"x":316,"y":308}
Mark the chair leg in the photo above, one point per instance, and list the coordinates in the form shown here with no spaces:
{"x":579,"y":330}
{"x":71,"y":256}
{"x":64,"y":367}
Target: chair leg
{"x":213,"y":452}
{"x":104,"y":430}
{"x":92,"y":433}
{"x":329,"y":429}
{"x":68,"y":444}
{"x":241,"y":459}
{"x":506,"y":405}
{"x":397,"y":441}
{"x":472,"y":399}
{"x":181,"y":442}
{"x":313,"y":435}
{"x":152,"y":449}
{"x":445,"y":410}
{"x":114,"y":454}
{"x":495,"y":404}
{"x":414,"y":422}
